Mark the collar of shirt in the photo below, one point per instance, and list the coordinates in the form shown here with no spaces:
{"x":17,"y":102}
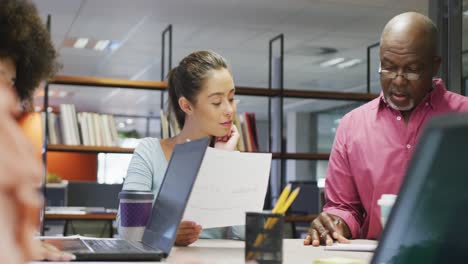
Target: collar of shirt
{"x":432,"y":98}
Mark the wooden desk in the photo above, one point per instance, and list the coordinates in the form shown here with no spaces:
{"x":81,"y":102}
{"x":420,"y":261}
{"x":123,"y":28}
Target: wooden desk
{"x":211,"y":251}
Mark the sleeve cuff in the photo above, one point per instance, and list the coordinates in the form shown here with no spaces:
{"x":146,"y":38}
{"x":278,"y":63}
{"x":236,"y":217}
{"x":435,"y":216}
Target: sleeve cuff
{"x":348,"y":218}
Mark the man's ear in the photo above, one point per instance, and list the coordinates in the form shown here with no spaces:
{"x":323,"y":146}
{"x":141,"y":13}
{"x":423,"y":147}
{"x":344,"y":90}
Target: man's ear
{"x":185,"y":105}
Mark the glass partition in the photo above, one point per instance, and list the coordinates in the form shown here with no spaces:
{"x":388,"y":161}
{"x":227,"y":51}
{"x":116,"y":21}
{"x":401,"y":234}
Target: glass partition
{"x":310,"y":124}
{"x":465,"y":47}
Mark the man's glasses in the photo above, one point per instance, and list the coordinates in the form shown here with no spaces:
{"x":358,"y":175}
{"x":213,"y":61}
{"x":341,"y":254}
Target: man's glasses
{"x":410,"y":76}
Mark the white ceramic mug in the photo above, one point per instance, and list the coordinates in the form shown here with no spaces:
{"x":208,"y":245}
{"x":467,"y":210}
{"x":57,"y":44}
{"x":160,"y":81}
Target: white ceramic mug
{"x":386,"y":202}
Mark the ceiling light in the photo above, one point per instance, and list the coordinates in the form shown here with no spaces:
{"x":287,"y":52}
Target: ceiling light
{"x":331,"y":62}
{"x":80,"y":43}
{"x":349,"y":63}
{"x":63,"y":94}
{"x":101,"y":45}
{"x":113,"y":45}
{"x":129,"y":121}
{"x":121,"y":125}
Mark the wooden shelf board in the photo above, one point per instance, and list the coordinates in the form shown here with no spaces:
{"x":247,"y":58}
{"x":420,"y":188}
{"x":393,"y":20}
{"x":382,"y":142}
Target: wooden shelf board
{"x":108,"y":82}
{"x":240,"y":90}
{"x":90,"y":149}
{"x":329,"y":95}
{"x":89,"y":216}
{"x":306,"y":156}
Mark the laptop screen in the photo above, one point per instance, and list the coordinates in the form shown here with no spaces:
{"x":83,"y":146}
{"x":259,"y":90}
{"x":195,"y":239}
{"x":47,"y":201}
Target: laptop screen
{"x":173,"y":195}
{"x":429,"y":223}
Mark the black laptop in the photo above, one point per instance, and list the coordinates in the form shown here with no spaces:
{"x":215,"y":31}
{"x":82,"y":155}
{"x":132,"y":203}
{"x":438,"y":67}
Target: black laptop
{"x":429,"y":222}
{"x":167,"y":212}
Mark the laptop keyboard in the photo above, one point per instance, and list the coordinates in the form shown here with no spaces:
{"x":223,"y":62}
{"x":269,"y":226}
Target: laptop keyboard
{"x":121,"y":246}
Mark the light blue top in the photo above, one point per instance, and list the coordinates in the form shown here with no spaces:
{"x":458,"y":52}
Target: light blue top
{"x":146,"y":172}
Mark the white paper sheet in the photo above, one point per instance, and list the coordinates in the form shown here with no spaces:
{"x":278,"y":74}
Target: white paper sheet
{"x":368,"y":247}
{"x":229,"y":184}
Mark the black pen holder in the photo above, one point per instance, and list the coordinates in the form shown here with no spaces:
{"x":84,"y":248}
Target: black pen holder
{"x":264,"y":237}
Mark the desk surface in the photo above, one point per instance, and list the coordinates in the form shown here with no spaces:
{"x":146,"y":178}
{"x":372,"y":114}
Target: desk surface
{"x":210,"y":251}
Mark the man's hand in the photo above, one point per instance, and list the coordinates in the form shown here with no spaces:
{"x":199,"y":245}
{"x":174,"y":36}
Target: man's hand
{"x":325,"y":229}
{"x":187,"y":233}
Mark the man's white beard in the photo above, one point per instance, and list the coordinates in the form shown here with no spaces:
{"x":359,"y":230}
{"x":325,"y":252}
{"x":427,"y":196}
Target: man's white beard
{"x":394,"y":106}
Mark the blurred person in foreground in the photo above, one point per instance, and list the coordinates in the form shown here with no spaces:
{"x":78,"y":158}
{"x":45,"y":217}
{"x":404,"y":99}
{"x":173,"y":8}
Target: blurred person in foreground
{"x":27,"y":57}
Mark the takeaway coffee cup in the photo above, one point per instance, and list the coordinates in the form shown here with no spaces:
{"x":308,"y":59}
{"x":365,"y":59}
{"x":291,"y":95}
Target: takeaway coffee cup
{"x":135,"y":210}
{"x":386,"y":202}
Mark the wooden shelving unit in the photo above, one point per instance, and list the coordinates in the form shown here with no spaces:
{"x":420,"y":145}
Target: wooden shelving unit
{"x":240,"y":90}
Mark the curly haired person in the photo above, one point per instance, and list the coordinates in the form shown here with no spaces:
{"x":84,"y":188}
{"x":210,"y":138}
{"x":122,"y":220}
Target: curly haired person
{"x":27,"y":57}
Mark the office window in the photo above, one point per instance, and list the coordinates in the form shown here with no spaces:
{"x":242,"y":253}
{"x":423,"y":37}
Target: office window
{"x":311,"y":124}
{"x":327,"y":123}
{"x":307,"y":170}
{"x":310,"y":128}
{"x":112,"y":167}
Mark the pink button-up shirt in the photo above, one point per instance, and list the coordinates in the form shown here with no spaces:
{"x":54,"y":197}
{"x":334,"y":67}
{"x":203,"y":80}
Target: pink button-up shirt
{"x":370,"y":154}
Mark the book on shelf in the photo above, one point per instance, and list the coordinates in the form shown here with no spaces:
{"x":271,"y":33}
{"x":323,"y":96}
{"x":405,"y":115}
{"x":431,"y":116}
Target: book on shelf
{"x":246,"y":125}
{"x":241,"y":143}
{"x":164,"y":125}
{"x":253,"y":130}
{"x":169,"y":124}
{"x":174,"y":125}
{"x":54,"y":136}
{"x":82,"y":128}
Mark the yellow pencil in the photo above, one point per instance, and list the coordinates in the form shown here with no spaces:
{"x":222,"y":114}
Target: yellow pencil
{"x":289,"y":201}
{"x":284,"y":207}
{"x":282,"y":198}
{"x":281,"y":208}
{"x":271,"y":222}
{"x":279,"y":203}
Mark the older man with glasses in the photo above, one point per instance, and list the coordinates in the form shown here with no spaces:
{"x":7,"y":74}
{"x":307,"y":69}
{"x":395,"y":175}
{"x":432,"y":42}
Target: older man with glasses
{"x":374,"y":142}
